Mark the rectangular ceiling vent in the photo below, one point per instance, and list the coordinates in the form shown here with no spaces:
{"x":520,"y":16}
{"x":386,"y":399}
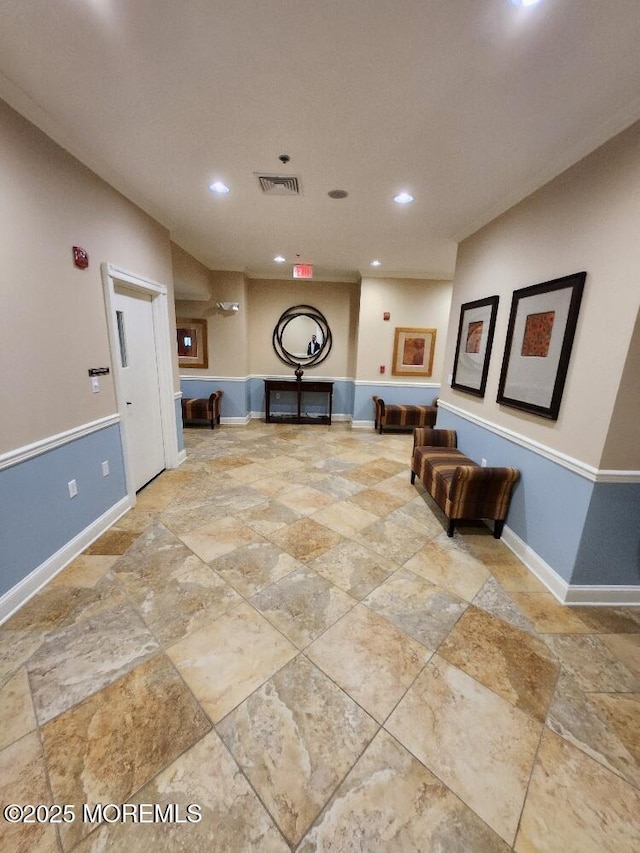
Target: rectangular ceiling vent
{"x":279,"y":184}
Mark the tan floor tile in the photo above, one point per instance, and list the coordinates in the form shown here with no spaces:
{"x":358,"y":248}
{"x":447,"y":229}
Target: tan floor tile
{"x":251,"y":568}
{"x":79,"y":660}
{"x":591,"y":663}
{"x":477,"y":743}
{"x":575,"y":804}
{"x":621,"y":712}
{"x":181,"y":601}
{"x":268,"y":517}
{"x":249,"y":473}
{"x":219,"y":537}
{"x":547,"y":615}
{"x":417,"y":607}
{"x":148,"y":716}
{"x":512,"y":575}
{"x":16,"y":647}
{"x":302,"y":605}
{"x":113,"y":542}
{"x":305,"y":499}
{"x":226,"y":661}
{"x":395,"y":541}
{"x":378,"y":501}
{"x":370,"y":659}
{"x":305,"y":539}
{"x":23,"y":780}
{"x":296,"y":714}
{"x":18,"y":718}
{"x":84,"y":571}
{"x":353,"y":567}
{"x":590,"y":722}
{"x":344,"y":517}
{"x":232,"y":817}
{"x":390,"y":802}
{"x":610,"y":620}
{"x":626,"y":648}
{"x":513,"y":664}
{"x":493,"y":598}
{"x":449,"y":566}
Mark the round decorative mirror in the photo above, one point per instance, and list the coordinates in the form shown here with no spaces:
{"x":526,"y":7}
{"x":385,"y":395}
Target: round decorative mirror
{"x":302,"y":337}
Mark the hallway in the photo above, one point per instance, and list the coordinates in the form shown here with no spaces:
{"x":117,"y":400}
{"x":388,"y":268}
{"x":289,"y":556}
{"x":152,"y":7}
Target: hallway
{"x":281,"y":633}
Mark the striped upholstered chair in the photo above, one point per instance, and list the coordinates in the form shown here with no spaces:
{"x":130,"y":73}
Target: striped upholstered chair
{"x":394,"y":415}
{"x":462,"y":489}
{"x":202,"y":409}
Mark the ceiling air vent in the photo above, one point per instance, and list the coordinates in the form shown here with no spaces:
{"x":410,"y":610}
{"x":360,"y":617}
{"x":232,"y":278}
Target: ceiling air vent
{"x":279,"y":184}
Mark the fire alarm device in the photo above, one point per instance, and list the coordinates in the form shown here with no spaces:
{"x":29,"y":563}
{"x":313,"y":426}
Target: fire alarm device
{"x":80,"y":258}
{"x":386,"y":315}
{"x":382,"y":368}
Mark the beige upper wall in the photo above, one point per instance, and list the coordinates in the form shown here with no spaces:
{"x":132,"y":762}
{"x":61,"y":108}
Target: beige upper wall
{"x":412,"y":304}
{"x":226,"y":333}
{"x":191,"y":279}
{"x":52,"y":318}
{"x":586,"y":219}
{"x":268,"y":299}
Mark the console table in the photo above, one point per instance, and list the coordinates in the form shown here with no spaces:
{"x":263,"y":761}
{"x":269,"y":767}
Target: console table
{"x":298,"y":388}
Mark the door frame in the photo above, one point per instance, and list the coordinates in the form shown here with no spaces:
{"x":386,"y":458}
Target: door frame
{"x":111,"y":277}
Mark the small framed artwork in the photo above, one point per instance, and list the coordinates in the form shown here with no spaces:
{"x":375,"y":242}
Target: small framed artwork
{"x":192,"y":343}
{"x":542,"y":326}
{"x":413,"y":352}
{"x":473,"y":349}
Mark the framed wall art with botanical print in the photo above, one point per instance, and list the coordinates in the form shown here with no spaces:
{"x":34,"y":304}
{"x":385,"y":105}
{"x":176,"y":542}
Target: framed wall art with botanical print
{"x":473,"y":349}
{"x":540,"y":336}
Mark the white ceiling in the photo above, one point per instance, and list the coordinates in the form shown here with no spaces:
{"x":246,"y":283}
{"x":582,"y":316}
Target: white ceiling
{"x":468,"y":104}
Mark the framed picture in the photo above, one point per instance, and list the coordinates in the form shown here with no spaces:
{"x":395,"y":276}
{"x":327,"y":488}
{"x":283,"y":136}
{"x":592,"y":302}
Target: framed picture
{"x":473,"y":349}
{"x":542,"y":325}
{"x":413,"y":352}
{"x":192,"y":343}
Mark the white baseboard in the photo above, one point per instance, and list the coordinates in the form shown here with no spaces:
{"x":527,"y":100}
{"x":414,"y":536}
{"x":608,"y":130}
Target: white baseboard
{"x":27,"y":587}
{"x":241,"y":421}
{"x":362,"y":424}
{"x":566,"y":593}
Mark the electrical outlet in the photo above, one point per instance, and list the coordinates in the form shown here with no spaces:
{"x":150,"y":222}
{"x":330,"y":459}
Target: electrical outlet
{"x":105,"y":468}
{"x":483,"y":462}
{"x":73,"y":488}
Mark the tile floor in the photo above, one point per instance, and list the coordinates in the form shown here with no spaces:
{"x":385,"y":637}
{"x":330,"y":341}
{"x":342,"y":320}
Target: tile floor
{"x":281,"y":633}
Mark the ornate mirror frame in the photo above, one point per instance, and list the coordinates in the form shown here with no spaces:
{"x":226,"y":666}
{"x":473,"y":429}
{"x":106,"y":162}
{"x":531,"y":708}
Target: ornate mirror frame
{"x":295,"y":359}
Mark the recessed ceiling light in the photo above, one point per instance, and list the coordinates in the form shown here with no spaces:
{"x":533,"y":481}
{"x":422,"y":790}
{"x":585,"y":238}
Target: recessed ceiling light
{"x":337,"y":193}
{"x":375,"y":263}
{"x":218,"y":187}
{"x":403,"y":198}
{"x":279,"y":259}
{"x":524,"y":2}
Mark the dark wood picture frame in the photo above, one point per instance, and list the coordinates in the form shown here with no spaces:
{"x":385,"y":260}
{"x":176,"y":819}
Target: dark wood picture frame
{"x":473,"y":348}
{"x":192,"y":342}
{"x":542,"y":326}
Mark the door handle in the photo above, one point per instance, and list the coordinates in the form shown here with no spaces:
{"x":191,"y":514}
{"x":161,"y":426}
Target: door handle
{"x":129,"y":404}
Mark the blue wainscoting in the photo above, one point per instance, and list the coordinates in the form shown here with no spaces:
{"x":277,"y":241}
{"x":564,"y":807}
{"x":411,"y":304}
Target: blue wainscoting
{"x":233,"y":405}
{"x":586,"y":532}
{"x":38,"y":517}
{"x":609,"y":552}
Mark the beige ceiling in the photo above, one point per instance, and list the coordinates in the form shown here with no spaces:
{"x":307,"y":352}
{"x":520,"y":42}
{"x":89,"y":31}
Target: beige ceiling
{"x":468,"y":104}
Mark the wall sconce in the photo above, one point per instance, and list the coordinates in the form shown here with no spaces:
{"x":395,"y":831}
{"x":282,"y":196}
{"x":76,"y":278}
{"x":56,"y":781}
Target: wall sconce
{"x":231,"y":307}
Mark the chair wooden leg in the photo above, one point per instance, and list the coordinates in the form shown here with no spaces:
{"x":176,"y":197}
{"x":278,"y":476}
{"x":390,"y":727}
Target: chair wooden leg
{"x":452,"y":524}
{"x":497,"y":529}
{"x":413,"y":477}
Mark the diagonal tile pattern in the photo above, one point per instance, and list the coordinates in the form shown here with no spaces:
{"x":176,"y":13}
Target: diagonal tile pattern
{"x":281,"y":632}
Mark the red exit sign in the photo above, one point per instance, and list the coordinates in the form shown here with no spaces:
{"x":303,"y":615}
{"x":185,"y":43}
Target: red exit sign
{"x":303,"y":271}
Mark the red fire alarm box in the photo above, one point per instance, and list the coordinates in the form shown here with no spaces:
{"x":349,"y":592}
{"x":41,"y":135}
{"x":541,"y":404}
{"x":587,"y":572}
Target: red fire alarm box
{"x":80,"y":258}
{"x":386,"y":315}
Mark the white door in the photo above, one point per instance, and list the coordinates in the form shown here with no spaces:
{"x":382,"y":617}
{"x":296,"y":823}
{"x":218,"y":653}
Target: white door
{"x":138,"y":364}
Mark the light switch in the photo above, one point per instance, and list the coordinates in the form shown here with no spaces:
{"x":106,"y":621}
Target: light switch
{"x":95,"y":384}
